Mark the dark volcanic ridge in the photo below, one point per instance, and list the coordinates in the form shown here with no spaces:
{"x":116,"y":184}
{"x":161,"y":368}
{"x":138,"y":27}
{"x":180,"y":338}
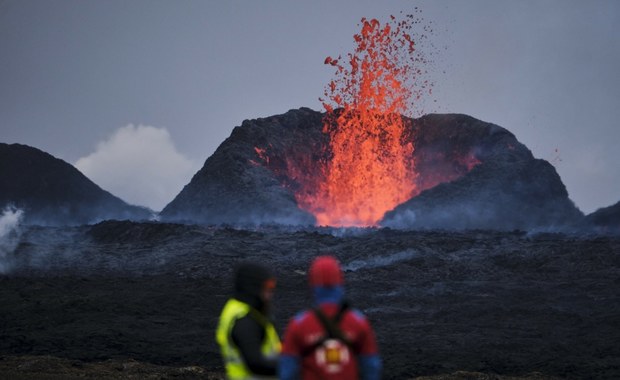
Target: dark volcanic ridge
{"x":51,"y":191}
{"x":472,"y":175}
{"x":250,"y":179}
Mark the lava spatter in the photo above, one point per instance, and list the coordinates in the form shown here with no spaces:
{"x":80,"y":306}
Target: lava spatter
{"x":369,"y":168}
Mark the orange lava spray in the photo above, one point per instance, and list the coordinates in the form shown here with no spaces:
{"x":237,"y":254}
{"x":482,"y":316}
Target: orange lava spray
{"x":370,"y":169}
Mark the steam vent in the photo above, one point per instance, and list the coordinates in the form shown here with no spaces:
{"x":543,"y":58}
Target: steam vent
{"x":467,"y":174}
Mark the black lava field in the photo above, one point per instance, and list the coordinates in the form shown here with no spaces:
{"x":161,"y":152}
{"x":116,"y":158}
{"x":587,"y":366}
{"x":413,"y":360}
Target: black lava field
{"x":508,"y":303}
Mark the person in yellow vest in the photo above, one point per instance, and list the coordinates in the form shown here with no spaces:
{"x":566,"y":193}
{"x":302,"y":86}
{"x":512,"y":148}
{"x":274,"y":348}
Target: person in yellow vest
{"x":248,"y":339}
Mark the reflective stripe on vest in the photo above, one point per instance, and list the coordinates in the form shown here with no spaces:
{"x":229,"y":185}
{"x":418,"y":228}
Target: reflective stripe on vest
{"x":234,"y":310}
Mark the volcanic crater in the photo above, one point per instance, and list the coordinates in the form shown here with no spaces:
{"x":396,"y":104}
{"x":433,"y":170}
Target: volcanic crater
{"x":468,"y":174}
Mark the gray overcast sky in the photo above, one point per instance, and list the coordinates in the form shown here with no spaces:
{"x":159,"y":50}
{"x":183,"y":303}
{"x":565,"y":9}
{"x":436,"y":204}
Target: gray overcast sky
{"x":101,"y":83}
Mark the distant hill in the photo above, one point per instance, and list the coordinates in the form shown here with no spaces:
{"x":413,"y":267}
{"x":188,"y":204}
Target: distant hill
{"x":606,"y":219}
{"x":53,"y":192}
{"x":472,"y":174}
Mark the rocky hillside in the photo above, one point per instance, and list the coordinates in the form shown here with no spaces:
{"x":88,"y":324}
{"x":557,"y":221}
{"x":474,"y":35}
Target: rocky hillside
{"x":51,"y":191}
{"x":472,"y":174}
{"x":508,"y":189}
{"x":239,"y":186}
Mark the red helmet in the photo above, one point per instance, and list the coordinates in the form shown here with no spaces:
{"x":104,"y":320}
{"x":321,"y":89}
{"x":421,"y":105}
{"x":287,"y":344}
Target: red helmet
{"x":325,"y":271}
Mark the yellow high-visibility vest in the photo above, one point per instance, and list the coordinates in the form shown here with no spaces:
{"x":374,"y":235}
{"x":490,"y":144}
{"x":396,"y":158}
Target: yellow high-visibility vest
{"x":235,"y":366}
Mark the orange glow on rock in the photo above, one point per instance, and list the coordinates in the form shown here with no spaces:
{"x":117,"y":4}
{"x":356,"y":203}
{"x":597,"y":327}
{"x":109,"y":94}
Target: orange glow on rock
{"x":364,"y":162}
{"x":369,"y":169}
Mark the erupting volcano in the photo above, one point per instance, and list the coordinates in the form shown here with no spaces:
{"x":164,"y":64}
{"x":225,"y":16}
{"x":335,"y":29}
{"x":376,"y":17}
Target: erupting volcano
{"x":366,"y":162}
{"x":369,"y":170}
{"x":368,"y":167}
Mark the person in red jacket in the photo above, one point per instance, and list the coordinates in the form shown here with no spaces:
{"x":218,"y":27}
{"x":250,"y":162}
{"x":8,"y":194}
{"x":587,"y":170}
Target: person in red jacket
{"x":330,"y":341}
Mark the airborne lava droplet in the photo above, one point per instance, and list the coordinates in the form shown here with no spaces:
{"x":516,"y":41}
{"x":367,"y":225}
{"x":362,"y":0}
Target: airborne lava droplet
{"x":370,"y":169}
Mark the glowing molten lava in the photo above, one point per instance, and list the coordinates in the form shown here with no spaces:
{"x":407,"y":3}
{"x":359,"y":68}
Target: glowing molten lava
{"x":369,"y":168}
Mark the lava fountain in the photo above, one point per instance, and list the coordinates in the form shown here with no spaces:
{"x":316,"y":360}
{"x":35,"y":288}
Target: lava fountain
{"x":369,"y":167}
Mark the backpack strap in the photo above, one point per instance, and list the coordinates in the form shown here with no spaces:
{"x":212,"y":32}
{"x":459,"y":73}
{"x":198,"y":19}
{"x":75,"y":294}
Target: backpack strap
{"x":331,"y":328}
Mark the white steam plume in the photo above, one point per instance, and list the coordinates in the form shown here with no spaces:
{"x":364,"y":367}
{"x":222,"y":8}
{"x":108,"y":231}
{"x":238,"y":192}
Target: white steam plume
{"x":140,"y":165}
{"x":380,"y":261}
{"x":9,"y":236}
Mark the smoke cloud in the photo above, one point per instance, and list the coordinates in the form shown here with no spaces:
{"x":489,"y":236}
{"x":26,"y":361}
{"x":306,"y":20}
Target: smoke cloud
{"x":380,"y":261}
{"x":139,"y":164}
{"x":9,"y":236}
